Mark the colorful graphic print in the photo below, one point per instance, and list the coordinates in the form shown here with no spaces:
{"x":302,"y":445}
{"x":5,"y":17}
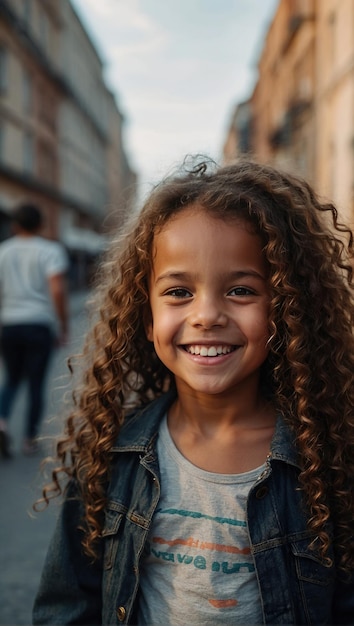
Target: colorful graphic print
{"x":213,"y":556}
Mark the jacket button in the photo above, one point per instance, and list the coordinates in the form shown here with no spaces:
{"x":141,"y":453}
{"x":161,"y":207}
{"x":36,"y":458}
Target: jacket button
{"x":121,"y":613}
{"x":261,"y":492}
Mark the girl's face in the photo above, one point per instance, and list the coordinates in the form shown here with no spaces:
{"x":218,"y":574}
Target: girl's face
{"x":209,"y":303}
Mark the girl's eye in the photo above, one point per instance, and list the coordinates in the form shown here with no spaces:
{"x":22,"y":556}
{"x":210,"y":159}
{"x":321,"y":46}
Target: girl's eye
{"x":179,"y":292}
{"x":240,"y":291}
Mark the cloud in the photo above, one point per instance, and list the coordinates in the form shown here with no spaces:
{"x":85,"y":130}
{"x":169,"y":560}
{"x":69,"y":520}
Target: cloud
{"x":120,"y":13}
{"x":124,"y":24}
{"x":135,"y":49}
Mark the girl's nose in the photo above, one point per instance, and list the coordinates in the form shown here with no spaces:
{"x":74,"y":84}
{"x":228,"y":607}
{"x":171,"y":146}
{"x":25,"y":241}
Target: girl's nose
{"x":208,"y":313}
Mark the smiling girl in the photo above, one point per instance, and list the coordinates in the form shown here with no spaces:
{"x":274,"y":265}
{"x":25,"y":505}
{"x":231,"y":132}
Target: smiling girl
{"x":209,"y":454}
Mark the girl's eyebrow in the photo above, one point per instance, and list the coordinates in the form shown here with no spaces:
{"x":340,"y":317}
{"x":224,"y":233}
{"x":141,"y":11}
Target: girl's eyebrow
{"x":236,"y":275}
{"x":174,"y":276}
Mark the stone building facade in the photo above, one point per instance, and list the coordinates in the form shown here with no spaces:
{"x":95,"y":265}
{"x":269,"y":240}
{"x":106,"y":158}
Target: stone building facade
{"x":301,"y":111}
{"x":61,"y":141}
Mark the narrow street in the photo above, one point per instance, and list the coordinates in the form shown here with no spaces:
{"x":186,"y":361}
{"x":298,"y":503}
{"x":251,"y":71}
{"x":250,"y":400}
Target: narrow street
{"x":24,"y":534}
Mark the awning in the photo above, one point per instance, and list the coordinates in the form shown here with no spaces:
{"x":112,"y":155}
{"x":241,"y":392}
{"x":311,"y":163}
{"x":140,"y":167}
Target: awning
{"x":84,"y":240}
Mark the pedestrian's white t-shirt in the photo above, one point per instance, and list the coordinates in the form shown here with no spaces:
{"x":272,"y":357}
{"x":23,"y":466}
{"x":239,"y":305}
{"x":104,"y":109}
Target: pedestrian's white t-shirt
{"x":197,"y":568}
{"x":26,"y":263}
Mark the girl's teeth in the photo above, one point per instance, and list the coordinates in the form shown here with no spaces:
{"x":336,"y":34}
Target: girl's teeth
{"x":212,"y":351}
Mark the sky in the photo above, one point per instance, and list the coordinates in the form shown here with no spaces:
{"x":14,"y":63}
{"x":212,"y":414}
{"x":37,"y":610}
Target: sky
{"x":177,"y":69}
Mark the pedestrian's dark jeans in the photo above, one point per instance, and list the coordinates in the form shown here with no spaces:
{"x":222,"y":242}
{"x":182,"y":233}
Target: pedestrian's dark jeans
{"x":25,"y":352}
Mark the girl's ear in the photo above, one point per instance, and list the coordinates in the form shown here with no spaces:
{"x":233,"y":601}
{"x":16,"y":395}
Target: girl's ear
{"x":148,"y":325}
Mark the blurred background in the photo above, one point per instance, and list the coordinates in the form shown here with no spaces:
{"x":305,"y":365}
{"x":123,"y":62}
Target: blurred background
{"x":101,"y":98}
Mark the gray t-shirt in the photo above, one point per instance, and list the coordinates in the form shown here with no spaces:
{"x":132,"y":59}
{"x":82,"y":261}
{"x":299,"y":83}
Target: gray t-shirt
{"x":197,"y":568}
{"x":26,"y":263}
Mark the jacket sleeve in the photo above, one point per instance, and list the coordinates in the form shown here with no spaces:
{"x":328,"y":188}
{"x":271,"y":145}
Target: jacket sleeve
{"x":343,"y":603}
{"x":70,"y":586}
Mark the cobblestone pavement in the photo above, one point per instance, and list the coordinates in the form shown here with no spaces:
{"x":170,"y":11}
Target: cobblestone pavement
{"x":24,"y":535}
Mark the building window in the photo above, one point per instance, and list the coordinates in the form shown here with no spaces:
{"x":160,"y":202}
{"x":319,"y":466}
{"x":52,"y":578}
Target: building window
{"x":3,"y":69}
{"x":27,"y":11}
{"x":43,"y":30}
{"x":27,"y":92}
{"x":2,"y":141}
{"x":46,"y":169}
{"x":47,"y":107}
{"x":28,"y":153}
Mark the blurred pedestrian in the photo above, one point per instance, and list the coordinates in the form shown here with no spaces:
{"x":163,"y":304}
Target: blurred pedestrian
{"x":33,"y":315}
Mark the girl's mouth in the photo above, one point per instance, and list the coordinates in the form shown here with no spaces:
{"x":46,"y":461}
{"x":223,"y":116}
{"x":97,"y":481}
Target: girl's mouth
{"x":202,"y":350}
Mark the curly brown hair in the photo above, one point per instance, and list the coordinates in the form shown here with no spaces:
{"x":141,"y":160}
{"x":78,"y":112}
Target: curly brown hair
{"x":308,"y":373}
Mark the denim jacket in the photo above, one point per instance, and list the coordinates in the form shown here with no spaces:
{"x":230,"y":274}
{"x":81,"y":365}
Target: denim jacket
{"x":296,"y":586}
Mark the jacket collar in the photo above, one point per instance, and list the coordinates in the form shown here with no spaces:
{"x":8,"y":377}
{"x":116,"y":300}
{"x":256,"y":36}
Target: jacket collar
{"x":283,"y":444}
{"x":141,"y":426}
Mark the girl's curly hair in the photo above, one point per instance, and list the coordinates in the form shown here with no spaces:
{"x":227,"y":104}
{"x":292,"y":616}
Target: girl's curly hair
{"x":308,"y":373}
